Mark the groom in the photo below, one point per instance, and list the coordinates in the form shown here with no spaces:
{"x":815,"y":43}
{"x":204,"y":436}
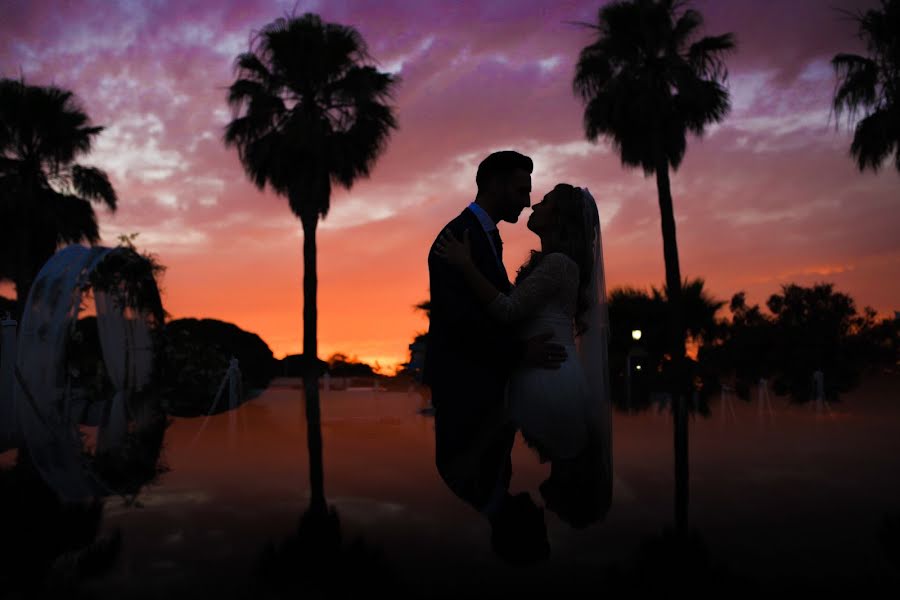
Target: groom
{"x":469,"y":358}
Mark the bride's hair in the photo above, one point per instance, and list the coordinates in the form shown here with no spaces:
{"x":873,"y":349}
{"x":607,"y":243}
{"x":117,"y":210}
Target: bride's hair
{"x":568,"y":235}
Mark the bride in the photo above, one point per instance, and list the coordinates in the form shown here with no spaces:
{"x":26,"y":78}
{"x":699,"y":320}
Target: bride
{"x":562,"y":413}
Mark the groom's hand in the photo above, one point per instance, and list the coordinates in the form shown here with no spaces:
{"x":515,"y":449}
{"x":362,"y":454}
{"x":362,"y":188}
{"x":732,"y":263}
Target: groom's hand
{"x":542,"y":354}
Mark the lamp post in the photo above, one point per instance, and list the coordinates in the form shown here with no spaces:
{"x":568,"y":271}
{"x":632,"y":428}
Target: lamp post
{"x":633,"y":366}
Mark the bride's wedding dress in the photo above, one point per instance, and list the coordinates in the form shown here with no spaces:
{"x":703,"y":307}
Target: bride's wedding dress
{"x":552,"y":408}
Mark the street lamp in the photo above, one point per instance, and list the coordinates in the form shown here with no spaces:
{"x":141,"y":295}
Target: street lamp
{"x":634,"y":363}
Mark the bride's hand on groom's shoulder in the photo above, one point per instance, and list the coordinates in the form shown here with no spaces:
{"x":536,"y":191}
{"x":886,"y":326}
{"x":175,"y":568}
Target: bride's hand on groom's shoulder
{"x":454,"y":251}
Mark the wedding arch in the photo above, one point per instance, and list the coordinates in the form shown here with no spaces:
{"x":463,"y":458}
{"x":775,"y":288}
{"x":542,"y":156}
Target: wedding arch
{"x":55,"y":409}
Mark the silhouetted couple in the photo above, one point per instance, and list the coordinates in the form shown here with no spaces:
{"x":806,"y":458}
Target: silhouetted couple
{"x":530,"y":357}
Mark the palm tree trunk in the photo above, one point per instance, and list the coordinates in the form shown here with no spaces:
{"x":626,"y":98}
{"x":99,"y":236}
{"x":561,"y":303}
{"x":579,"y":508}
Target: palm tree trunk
{"x":670,"y":254}
{"x":676,"y":345}
{"x":311,"y":364}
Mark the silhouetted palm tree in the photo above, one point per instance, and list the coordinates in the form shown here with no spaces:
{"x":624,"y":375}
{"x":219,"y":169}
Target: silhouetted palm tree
{"x":45,"y":195}
{"x":699,"y":309}
{"x":308,"y":112}
{"x":631,"y":309}
{"x":645,"y":85}
{"x":872,"y":84}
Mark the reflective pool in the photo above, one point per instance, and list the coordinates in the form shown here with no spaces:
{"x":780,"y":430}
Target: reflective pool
{"x":781,"y":496}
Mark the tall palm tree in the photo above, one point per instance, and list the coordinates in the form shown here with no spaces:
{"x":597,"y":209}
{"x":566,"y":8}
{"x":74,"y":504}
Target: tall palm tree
{"x":872,"y":84}
{"x":309,"y":112}
{"x":45,"y":195}
{"x":646,"y":84}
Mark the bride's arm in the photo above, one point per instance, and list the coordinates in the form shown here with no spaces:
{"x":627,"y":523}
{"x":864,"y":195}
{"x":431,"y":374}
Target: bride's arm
{"x":525,"y":299}
{"x":535,"y":291}
{"x":459,"y":254}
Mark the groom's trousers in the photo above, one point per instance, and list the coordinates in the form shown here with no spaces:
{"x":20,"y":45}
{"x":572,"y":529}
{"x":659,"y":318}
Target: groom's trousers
{"x":473,"y":440}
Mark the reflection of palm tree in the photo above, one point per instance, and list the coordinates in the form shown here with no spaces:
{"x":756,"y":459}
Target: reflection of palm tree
{"x":646,"y":86}
{"x":45,"y":195}
{"x":309,"y":112}
{"x":872,"y":84}
{"x":317,"y":562}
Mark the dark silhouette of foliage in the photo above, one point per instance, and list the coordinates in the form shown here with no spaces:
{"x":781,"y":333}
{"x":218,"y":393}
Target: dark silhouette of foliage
{"x":309,"y":111}
{"x":635,"y":309}
{"x":808,"y":329}
{"x":342,"y":365}
{"x":745,"y":347}
{"x":812,"y":328}
{"x":871,"y":85}
{"x":413,"y":368}
{"x":196,"y":357}
{"x":45,"y":195}
{"x":296,"y":365}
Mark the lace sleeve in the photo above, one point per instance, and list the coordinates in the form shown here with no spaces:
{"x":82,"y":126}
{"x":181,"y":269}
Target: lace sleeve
{"x":536,"y":290}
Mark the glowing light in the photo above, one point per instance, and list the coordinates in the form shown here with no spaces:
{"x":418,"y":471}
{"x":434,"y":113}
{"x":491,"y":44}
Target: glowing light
{"x":635,"y":334}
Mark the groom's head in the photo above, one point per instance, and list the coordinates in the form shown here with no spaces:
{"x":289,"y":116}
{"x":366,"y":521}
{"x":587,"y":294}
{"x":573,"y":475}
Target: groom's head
{"x":504,"y":185}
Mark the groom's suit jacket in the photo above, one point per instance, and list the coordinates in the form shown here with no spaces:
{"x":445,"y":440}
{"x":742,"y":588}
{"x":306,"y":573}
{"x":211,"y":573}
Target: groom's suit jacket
{"x":466,"y":347}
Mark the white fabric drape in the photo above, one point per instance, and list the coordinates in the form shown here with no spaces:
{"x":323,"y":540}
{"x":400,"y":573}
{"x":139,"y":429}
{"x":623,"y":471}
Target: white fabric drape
{"x":52,"y":439}
{"x":128,"y":355}
{"x":48,"y":424}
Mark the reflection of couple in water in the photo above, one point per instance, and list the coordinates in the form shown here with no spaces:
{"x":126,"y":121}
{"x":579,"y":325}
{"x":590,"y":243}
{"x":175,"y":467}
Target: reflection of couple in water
{"x":530,"y":357}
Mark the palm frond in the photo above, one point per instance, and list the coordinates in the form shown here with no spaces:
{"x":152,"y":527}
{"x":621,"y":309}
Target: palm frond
{"x":857,"y":83}
{"x":248,"y":65}
{"x":871,"y":85}
{"x":93,"y":184}
{"x":686,"y":25}
{"x":706,"y":56}
{"x":74,"y":219}
{"x":592,"y":71}
{"x":875,"y":138}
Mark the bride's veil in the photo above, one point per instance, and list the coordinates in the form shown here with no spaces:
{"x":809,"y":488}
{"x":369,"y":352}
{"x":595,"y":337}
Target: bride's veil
{"x":593,"y":342}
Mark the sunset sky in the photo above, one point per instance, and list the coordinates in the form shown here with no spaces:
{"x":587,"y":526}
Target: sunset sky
{"x":770,"y":196}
